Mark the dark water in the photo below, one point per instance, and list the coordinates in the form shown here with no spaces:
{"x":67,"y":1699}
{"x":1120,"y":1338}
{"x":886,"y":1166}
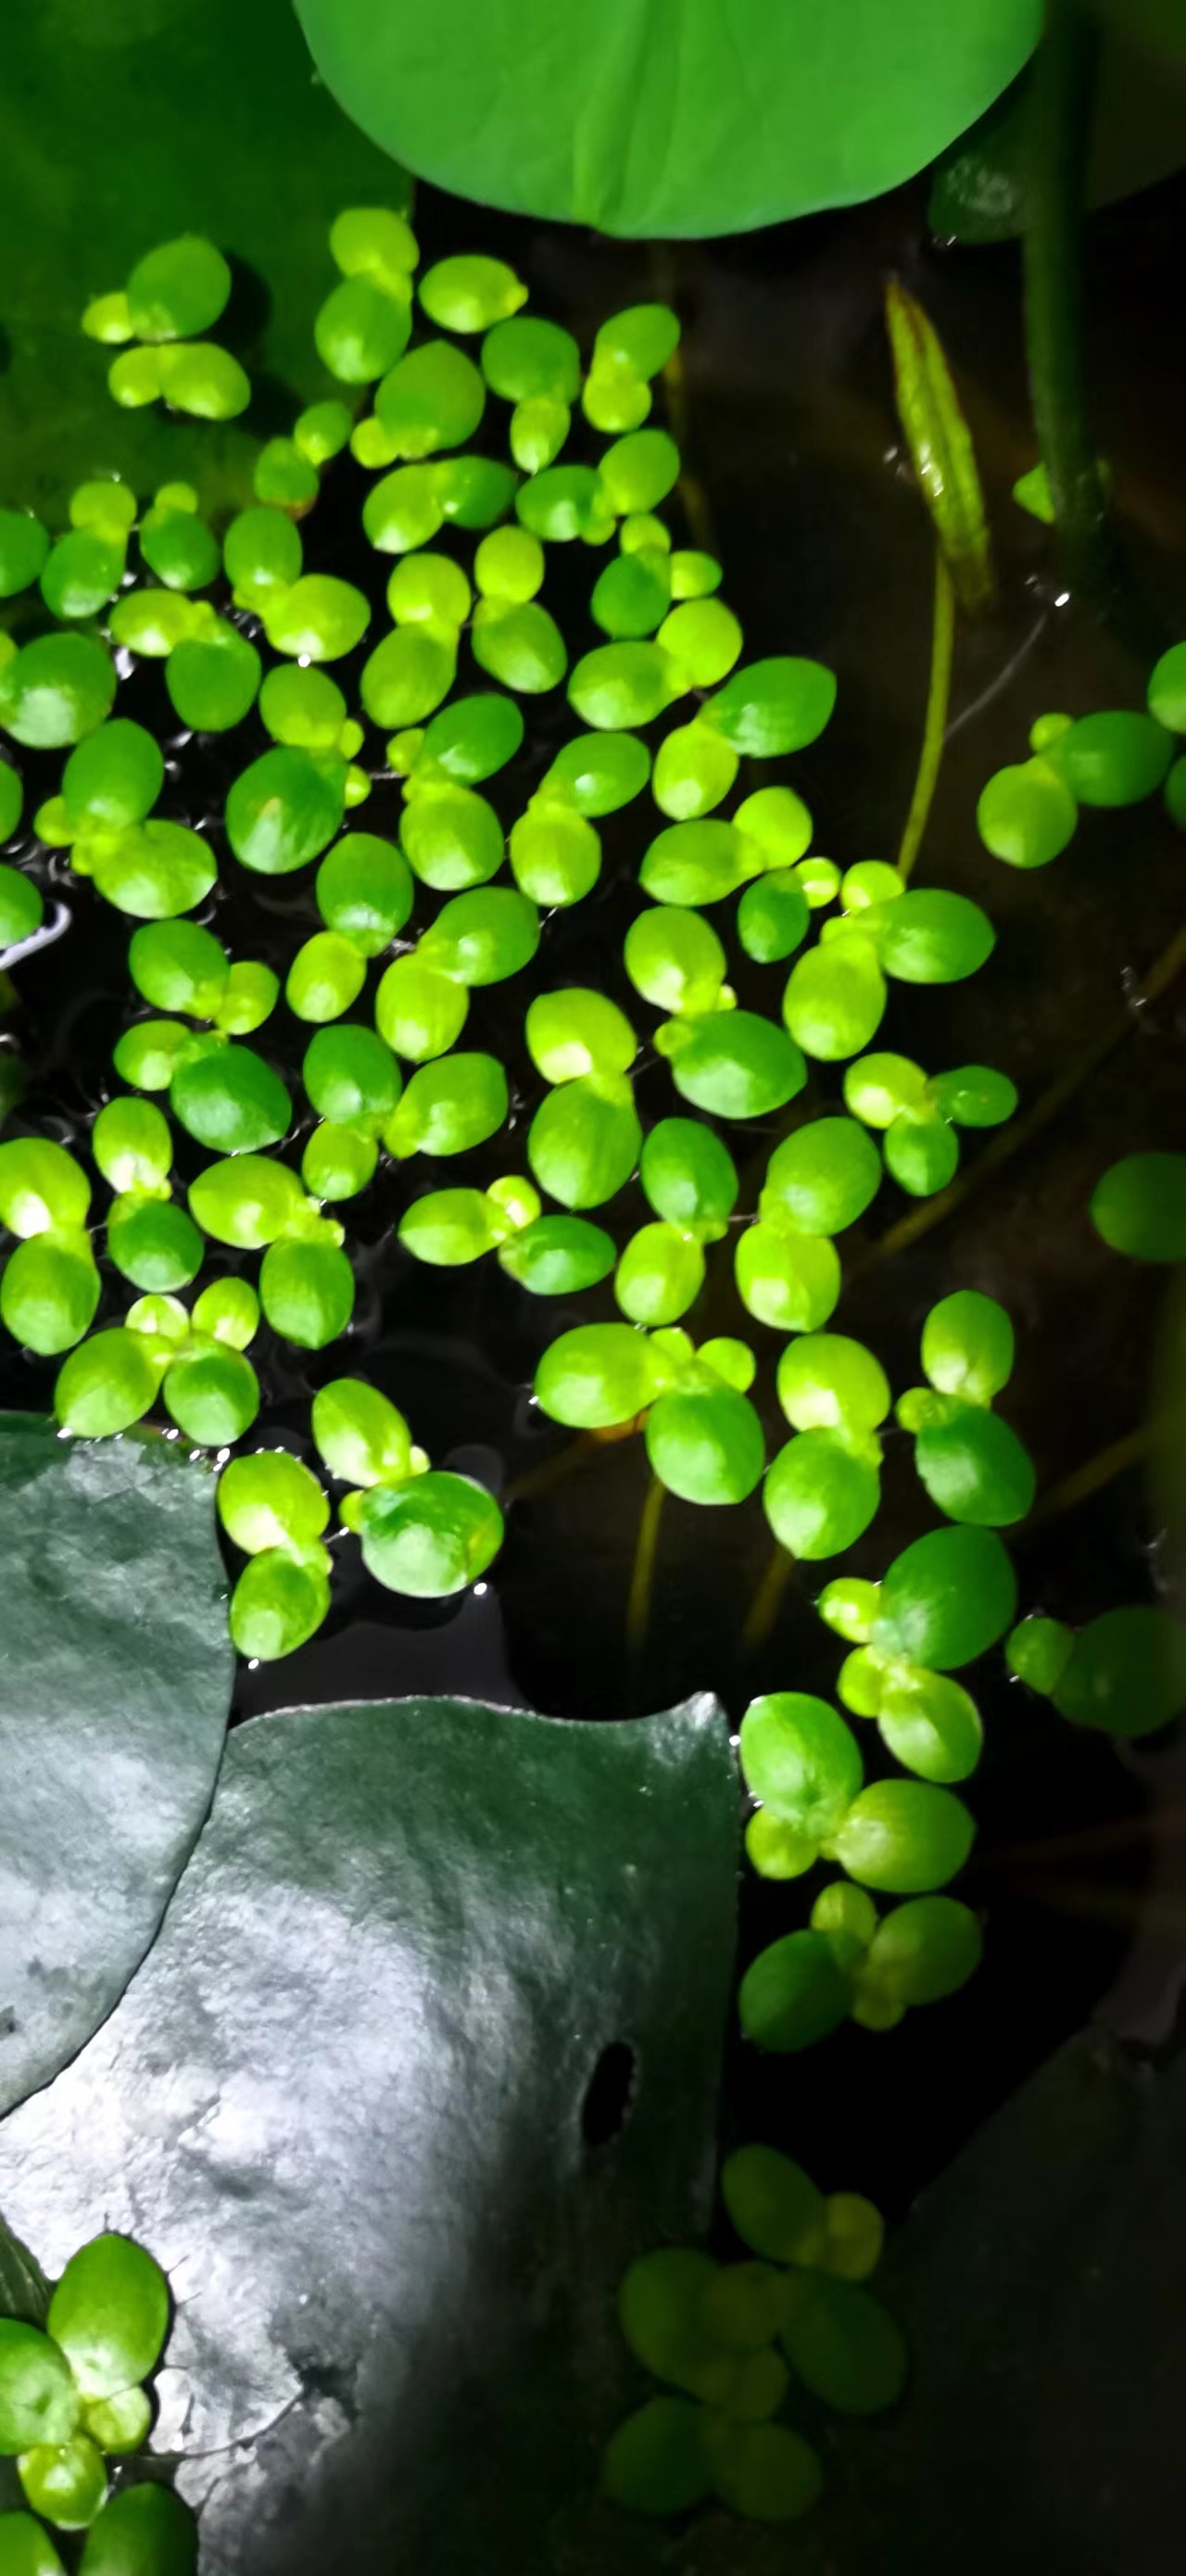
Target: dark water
{"x":791,"y":444}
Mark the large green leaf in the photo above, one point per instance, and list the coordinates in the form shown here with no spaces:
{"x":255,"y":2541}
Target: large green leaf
{"x":1139,"y":137}
{"x":1041,"y":2287}
{"x":115,"y":1680}
{"x":343,"y":2103}
{"x":122,"y":124}
{"x":667,"y":116}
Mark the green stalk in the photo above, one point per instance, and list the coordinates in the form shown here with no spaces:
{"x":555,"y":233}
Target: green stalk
{"x":935,"y":725}
{"x":1059,"y":128}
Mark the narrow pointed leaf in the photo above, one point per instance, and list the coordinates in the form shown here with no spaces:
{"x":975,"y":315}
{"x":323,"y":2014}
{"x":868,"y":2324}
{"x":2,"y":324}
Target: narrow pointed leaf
{"x":940,"y":444}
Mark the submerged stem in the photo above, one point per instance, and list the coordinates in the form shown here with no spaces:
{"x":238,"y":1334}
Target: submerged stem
{"x":935,"y":723}
{"x":1010,"y":1141}
{"x":766,"y":1603}
{"x":642,"y":1580}
{"x":1157,"y":1433}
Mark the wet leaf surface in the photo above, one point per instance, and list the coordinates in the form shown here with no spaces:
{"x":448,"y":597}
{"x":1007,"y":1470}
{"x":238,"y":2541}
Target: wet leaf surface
{"x":345,"y":2103}
{"x":115,"y":1681}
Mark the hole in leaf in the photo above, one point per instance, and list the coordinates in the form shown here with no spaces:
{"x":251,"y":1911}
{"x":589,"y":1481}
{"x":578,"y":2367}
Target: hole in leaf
{"x":609,"y":2095}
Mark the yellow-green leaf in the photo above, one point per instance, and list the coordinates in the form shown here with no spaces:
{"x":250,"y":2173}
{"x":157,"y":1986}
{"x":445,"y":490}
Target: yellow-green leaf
{"x":941,"y":447}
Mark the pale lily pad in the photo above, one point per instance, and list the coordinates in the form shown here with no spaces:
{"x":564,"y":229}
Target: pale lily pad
{"x":115,"y":1680}
{"x":427,"y":2050}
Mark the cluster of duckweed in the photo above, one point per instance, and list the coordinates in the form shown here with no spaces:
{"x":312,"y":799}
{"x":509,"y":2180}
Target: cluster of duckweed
{"x":238,"y":623}
{"x":74,"y":2407}
{"x":409,"y":931}
{"x":790,"y":2322}
{"x":1028,"y":812}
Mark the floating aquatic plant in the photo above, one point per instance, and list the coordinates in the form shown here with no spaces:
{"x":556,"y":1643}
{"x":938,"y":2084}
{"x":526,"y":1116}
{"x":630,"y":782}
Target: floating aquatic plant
{"x":735,"y":2338}
{"x":381,"y":992}
{"x":73,"y":2398}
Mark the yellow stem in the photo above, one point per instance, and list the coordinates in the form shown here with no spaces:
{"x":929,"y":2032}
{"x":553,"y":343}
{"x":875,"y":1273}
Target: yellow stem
{"x":767,"y":1602}
{"x":638,"y":1607}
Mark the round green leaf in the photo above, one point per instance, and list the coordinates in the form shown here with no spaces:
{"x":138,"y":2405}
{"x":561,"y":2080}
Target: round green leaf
{"x":968,"y":1346}
{"x":975,"y":1468}
{"x":823,"y":1178}
{"x":230,"y":1100}
{"x":844,"y":2345}
{"x":105,"y":1385}
{"x":39,"y":2400}
{"x":773,"y":2204}
{"x":769,"y":708}
{"x":1139,"y":1207}
{"x":706,"y":1445}
{"x":596,"y":1376}
{"x":212,"y":1394}
{"x":283,"y":809}
{"x":55,"y":690}
{"x":110,"y":2314}
{"x":584,"y":1140}
{"x":924,"y":1950}
{"x":49,"y":1291}
{"x":820,"y":1495}
{"x":65,"y":2481}
{"x":143,"y":2531}
{"x":737,"y":1064}
{"x":795,"y":1993}
{"x":26,"y":2548}
{"x":791,"y":1282}
{"x":903,"y":1837}
{"x":689,"y":1177}
{"x":558,"y":1256}
{"x":1027,"y":814}
{"x":178,"y":290}
{"x":307,"y":1292}
{"x":246,"y":1200}
{"x":431,"y":1537}
{"x":1114,"y":758}
{"x":946,"y":1599}
{"x":928,"y":936}
{"x":1126,"y":1672}
{"x":801,"y":1760}
{"x":449,"y":1106}
{"x":656,"y":2463}
{"x":835,"y":996}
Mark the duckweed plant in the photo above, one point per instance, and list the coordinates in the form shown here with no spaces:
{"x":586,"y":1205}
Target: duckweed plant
{"x":75,"y":2409}
{"x":427,"y":364}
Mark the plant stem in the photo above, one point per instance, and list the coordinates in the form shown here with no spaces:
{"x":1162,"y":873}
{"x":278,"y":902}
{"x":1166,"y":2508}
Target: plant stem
{"x":1099,"y":1471}
{"x":767,"y":1602}
{"x":1010,"y":1140}
{"x":580,"y":1452}
{"x":1062,"y":95}
{"x":697,"y":509}
{"x":638,"y":1606}
{"x":935,"y":725}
